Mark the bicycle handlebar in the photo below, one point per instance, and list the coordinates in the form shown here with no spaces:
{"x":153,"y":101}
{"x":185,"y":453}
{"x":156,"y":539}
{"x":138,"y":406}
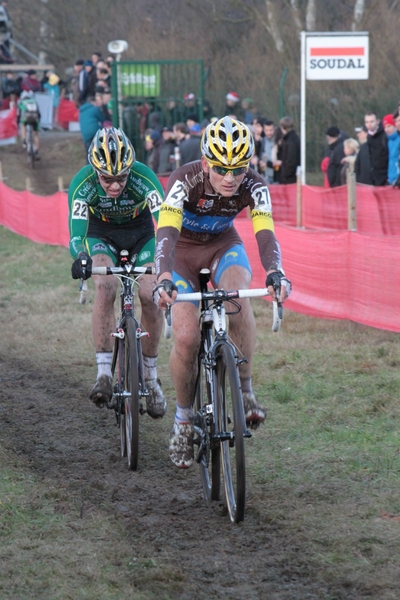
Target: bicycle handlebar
{"x":223,"y":295}
{"x":123,"y":270}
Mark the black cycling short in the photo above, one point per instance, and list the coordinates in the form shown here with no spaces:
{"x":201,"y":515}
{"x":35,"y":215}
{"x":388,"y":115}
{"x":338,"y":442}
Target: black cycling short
{"x":136,"y":235}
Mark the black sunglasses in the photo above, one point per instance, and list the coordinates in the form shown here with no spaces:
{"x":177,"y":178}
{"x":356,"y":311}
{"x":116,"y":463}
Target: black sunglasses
{"x":224,"y":170}
{"x":118,"y":179}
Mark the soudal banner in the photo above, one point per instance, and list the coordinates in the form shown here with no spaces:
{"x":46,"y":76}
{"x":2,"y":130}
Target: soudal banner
{"x":344,"y":56}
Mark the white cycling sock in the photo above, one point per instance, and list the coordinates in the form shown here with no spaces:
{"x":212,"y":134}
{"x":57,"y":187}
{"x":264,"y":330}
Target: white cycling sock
{"x":103,"y":360}
{"x":184,"y":414}
{"x":246,"y":385}
{"x":150,"y":367}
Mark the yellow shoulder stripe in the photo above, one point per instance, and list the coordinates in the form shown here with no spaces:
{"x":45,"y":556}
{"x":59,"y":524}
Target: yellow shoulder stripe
{"x":262,"y":220}
{"x":170,"y":216}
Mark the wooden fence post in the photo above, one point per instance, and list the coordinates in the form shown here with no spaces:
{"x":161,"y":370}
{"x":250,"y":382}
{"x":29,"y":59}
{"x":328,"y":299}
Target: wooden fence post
{"x":351,"y":199}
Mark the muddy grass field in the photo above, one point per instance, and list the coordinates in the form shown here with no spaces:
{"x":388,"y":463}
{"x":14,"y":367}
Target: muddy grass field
{"x":323,"y":507}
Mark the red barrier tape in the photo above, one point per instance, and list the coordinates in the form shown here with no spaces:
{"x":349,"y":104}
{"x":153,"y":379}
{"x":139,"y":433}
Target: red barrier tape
{"x":335,"y":274}
{"x":8,"y":123}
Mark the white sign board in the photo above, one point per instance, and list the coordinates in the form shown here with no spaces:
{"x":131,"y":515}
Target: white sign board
{"x":337,"y":57}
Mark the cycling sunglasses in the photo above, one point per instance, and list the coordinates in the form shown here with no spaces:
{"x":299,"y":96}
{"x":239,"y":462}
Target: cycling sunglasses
{"x":224,"y":170}
{"x":117,"y":179}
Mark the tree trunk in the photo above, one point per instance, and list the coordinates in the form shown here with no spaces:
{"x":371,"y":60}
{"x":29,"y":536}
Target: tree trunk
{"x":311,"y":15}
{"x":358,"y":14}
{"x":273,"y":27}
{"x":296,"y":15}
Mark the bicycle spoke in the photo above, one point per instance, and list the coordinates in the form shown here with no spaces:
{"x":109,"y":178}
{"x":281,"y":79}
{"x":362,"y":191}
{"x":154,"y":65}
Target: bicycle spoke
{"x":230,"y":408}
{"x":132,"y":401}
{"x":208,"y":454}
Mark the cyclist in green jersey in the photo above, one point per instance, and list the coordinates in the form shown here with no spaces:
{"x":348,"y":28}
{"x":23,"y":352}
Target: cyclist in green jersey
{"x":111,"y":203}
{"x":28,"y":113}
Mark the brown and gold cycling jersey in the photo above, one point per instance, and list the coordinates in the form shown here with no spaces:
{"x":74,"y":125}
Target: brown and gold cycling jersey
{"x":194,"y":210}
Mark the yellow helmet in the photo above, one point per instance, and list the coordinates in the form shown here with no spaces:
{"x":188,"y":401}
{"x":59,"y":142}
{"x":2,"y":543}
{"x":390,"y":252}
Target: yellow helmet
{"x":227,"y":143}
{"x":111,"y":152}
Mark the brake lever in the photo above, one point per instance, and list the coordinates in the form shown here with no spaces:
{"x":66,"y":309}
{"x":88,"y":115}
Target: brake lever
{"x":168,"y":322}
{"x":277,"y":290}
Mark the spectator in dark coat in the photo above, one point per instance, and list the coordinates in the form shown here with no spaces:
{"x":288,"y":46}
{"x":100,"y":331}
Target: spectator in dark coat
{"x":87,"y":81}
{"x":153,"y":143}
{"x":190,"y":148}
{"x":290,"y":152}
{"x":362,"y":166}
{"x":10,"y":85}
{"x":378,"y":149}
{"x":336,"y":154}
{"x":166,"y":163}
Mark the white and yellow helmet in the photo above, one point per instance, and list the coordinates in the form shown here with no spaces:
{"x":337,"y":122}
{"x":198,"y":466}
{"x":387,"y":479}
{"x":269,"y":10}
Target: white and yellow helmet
{"x":111,"y":152}
{"x":227,"y":143}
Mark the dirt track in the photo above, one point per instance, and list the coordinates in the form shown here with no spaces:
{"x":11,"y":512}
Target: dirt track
{"x":73,"y":447}
{"x":192,"y":549}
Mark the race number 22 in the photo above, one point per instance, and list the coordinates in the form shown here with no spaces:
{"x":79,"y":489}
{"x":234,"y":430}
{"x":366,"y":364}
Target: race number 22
{"x":80,"y":210}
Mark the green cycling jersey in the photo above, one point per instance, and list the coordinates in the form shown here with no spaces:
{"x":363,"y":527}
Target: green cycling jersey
{"x":86,"y":195}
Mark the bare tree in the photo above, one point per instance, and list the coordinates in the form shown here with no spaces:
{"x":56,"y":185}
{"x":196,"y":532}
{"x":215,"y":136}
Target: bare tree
{"x":296,"y":15}
{"x":311,"y":15}
{"x":359,"y":9}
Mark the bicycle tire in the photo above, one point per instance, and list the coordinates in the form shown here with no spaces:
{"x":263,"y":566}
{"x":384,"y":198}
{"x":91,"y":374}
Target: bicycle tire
{"x":231,"y":413}
{"x":117,"y":369}
{"x":132,"y":400}
{"x":209,"y":454}
{"x":29,"y":145}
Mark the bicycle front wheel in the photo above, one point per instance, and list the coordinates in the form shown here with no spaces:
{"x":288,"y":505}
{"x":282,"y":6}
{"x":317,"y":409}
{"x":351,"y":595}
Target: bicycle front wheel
{"x":208,"y":455}
{"x":118,"y":371}
{"x":232,"y":430}
{"x":132,"y":399}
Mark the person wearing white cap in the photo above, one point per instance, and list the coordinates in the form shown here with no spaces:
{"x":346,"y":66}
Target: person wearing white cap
{"x":233,"y":107}
{"x":190,"y":108}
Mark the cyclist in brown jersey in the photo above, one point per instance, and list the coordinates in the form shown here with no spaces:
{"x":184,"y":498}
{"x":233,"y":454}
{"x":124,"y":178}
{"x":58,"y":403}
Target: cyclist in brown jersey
{"x":195,"y":231}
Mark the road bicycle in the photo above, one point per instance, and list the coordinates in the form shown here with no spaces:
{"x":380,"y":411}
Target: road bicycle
{"x":219,"y":423}
{"x":129,"y":388}
{"x":30,"y":146}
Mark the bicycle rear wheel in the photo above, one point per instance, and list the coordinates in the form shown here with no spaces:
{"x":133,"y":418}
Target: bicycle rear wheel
{"x":132,"y":400}
{"x":29,"y":145}
{"x":232,"y":426}
{"x":209,"y":454}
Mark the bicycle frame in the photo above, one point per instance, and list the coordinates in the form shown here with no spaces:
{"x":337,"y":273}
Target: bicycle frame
{"x":127,"y":300}
{"x":127,"y":359}
{"x":219,"y":422}
{"x":213,"y":334}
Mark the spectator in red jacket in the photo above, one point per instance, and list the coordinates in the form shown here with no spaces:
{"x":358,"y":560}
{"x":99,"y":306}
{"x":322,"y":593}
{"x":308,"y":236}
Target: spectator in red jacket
{"x":30,"y":83}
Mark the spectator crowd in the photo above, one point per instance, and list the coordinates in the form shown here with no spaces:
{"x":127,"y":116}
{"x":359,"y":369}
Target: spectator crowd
{"x":171,"y":136}
{"x":374,"y":157}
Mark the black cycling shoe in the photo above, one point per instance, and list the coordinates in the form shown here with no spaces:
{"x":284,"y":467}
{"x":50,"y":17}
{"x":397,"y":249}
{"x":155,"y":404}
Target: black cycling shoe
{"x":102,"y":391}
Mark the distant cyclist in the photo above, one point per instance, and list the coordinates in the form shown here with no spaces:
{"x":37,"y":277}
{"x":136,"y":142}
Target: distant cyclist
{"x":28,"y":113}
{"x":196,"y":231}
{"x":111,"y":201}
